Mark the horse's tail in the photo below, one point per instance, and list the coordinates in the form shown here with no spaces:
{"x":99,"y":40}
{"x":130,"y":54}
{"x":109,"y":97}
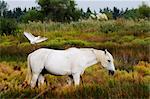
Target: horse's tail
{"x":29,"y":73}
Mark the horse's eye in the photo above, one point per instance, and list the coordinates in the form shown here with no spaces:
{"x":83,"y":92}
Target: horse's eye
{"x":108,"y":60}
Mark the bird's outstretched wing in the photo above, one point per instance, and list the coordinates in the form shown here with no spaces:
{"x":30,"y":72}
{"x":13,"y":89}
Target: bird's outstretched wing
{"x":41,"y":39}
{"x":29,"y":36}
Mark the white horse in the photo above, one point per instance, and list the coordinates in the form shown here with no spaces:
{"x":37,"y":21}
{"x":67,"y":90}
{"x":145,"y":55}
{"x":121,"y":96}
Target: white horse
{"x":102,"y":16}
{"x":99,"y":16}
{"x":71,"y":62}
{"x":92,"y":16}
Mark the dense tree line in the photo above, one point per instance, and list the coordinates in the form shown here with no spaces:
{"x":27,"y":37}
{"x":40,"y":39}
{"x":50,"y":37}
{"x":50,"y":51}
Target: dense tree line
{"x":61,"y":11}
{"x":66,"y":11}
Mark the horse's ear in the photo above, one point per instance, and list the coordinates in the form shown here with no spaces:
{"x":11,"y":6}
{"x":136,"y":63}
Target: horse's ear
{"x":105,"y":51}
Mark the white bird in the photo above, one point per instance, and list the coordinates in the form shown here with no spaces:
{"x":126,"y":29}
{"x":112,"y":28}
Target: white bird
{"x":33,"y":39}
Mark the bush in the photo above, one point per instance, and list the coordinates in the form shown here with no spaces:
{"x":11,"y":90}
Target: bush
{"x":111,"y":26}
{"x":144,"y":11}
{"x":32,"y":15}
{"x":7,"y":26}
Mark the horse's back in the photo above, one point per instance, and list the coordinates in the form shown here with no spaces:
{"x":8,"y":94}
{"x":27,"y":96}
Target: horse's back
{"x":45,"y":51}
{"x":62,"y":56}
{"x":39,"y":53}
{"x":70,"y":53}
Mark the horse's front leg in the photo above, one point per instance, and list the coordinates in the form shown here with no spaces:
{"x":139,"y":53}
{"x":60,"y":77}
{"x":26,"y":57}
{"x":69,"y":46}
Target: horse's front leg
{"x":76,"y":78}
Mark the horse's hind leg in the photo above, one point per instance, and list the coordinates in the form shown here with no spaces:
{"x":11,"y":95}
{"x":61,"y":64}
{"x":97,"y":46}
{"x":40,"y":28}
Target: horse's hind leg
{"x":34,"y":79}
{"x":70,"y":80}
{"x":40,"y":80}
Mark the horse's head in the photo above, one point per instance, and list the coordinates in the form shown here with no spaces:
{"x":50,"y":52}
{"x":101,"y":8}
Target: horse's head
{"x":106,"y":60}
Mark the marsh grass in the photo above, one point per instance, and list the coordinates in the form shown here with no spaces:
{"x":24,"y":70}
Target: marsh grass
{"x":127,"y":40}
{"x":96,"y":84}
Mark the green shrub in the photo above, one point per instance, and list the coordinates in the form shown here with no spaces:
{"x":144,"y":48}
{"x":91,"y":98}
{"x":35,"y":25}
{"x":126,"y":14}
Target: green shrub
{"x":7,"y":26}
{"x":128,"y":38}
{"x":111,"y":26}
{"x":140,"y":28}
{"x":32,"y":15}
{"x":140,"y":41}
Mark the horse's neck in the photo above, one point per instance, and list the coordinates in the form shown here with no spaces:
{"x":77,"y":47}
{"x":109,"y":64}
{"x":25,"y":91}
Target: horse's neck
{"x":91,"y":58}
{"x":91,"y":63}
{"x":97,"y":57}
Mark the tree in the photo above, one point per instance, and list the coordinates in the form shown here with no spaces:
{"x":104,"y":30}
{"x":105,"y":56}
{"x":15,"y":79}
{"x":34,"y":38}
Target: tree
{"x":25,"y":10}
{"x":88,"y":12}
{"x":144,"y":11}
{"x":72,"y":13}
{"x":3,"y":7}
{"x":8,"y":14}
{"x":116,"y":13}
{"x":82,"y":13}
{"x":17,"y":13}
{"x":131,"y":14}
{"x":100,"y":10}
{"x":8,"y":26}
{"x":59,"y":10}
{"x":32,"y":15}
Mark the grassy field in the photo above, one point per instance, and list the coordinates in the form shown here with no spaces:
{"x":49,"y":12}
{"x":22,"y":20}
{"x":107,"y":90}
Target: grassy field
{"x":127,"y":40}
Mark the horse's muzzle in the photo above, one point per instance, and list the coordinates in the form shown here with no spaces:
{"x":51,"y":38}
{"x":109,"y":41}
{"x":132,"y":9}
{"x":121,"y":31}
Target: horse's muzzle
{"x":111,"y":72}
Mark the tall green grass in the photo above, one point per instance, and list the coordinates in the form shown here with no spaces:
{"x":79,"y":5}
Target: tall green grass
{"x":127,"y":40}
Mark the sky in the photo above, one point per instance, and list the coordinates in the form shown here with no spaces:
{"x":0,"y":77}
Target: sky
{"x":93,"y":4}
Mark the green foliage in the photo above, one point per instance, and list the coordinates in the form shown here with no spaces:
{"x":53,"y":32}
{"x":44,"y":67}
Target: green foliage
{"x":66,"y":11}
{"x":3,"y":7}
{"x":58,"y":10}
{"x":132,"y":14}
{"x":17,"y":13}
{"x":108,"y":28}
{"x":116,"y":13}
{"x":8,"y":26}
{"x":112,"y":34}
{"x":88,"y":13}
{"x":127,"y":40}
{"x":140,"y":41}
{"x":144,"y":11}
{"x":32,"y":15}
